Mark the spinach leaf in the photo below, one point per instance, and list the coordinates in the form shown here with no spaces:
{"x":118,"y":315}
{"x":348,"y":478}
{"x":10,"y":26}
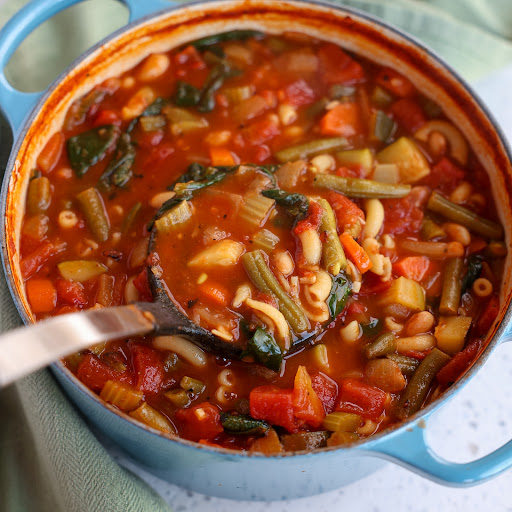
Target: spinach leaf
{"x":340,"y":292}
{"x":372,"y":328}
{"x":263,"y":347}
{"x":473,"y":272}
{"x":186,"y":95}
{"x":243,"y":424}
{"x":119,"y":169}
{"x":216,"y":78}
{"x":152,"y":110}
{"x":233,"y":35}
{"x":88,"y":148}
{"x":295,"y":204}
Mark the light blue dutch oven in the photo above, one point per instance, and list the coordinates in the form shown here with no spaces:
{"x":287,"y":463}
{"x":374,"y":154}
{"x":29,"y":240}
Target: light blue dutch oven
{"x":157,"y":25}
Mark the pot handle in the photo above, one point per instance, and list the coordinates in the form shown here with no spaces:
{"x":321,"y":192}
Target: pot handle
{"x":408,"y":447}
{"x":15,"y":104}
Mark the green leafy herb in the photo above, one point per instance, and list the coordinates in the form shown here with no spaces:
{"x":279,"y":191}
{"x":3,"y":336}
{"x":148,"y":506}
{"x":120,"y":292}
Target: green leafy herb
{"x":263,"y":347}
{"x":216,"y":78}
{"x":295,"y":204}
{"x":340,"y":292}
{"x":473,"y":272}
{"x":88,"y":148}
{"x":372,"y":328}
{"x":119,"y":169}
{"x":233,"y":35}
{"x":186,"y":95}
{"x":243,"y":424}
{"x":152,"y":110}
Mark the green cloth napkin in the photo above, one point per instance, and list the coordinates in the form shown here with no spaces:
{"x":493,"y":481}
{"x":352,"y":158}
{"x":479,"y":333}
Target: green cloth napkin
{"x":49,"y":459}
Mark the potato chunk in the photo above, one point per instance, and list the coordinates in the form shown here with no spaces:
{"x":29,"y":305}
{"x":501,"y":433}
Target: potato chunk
{"x":451,"y":332}
{"x":411,"y":163}
{"x":403,"y":294}
{"x":223,"y":253}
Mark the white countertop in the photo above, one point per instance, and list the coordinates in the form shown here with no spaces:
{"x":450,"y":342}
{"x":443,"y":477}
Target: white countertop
{"x":477,"y":421}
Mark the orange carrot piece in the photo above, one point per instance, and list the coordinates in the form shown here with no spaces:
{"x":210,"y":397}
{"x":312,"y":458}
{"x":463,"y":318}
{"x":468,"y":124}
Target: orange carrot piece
{"x":412,"y":267}
{"x":344,"y":120}
{"x":42,"y":295}
{"x":221,"y":156}
{"x":50,"y":154}
{"x":355,"y":253}
{"x":215,"y":292}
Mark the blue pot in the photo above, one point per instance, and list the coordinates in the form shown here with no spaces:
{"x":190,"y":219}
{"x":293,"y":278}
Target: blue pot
{"x":222,"y":472}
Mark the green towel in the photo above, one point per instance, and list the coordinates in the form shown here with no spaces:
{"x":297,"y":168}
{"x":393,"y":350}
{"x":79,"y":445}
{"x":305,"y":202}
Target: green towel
{"x":49,"y":459}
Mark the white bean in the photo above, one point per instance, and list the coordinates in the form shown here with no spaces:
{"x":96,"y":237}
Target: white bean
{"x":419,"y":343}
{"x":323,"y":163}
{"x":153,"y":67}
{"x":311,"y":246}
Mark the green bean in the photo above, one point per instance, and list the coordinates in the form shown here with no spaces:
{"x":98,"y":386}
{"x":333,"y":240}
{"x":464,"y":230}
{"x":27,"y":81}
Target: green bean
{"x":431,"y":230}
{"x":419,"y":385}
{"x":193,"y":385}
{"x":382,"y":345}
{"x":333,"y":256}
{"x":452,"y":287}
{"x":456,"y":213}
{"x":242,"y":424}
{"x":406,"y":364}
{"x":357,"y":187}
{"x":130,"y":217}
{"x":95,"y":213}
{"x":178,"y":397}
{"x":257,"y":269}
{"x":383,"y":126}
{"x":311,"y":148}
{"x":39,"y":195}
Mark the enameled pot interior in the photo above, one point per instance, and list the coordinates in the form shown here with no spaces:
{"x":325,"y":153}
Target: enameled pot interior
{"x":355,"y":32}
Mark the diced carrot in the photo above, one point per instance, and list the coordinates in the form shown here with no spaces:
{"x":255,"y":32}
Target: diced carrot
{"x":459,"y":363}
{"x":412,"y":267}
{"x":221,"y":156}
{"x":360,"y":398}
{"x":260,"y":131}
{"x":356,"y":254}
{"x":50,"y":154}
{"x":408,"y":114}
{"x":338,"y":67}
{"x":42,"y":295}
{"x":274,"y":405}
{"x":344,"y":120}
{"x":214,"y":292}
{"x":395,"y":83}
{"x":306,"y":404}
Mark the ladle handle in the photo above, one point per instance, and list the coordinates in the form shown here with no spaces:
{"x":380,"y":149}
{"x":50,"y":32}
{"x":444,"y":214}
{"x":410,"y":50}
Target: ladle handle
{"x":27,"y":349}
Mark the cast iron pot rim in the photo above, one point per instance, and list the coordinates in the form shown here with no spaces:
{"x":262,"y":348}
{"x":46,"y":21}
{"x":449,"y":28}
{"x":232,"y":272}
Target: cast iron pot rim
{"x":73,"y":380}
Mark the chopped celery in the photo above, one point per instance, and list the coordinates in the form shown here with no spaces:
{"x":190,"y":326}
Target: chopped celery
{"x":183,"y":121}
{"x":178,"y":215}
{"x":122,"y":395}
{"x":178,"y":397}
{"x":255,"y":209}
{"x":192,"y":385}
{"x":386,"y":173}
{"x":266,"y":240}
{"x":238,"y":94}
{"x":342,"y":421}
{"x":151,"y":417}
{"x":151,"y":123}
{"x":81,"y":270}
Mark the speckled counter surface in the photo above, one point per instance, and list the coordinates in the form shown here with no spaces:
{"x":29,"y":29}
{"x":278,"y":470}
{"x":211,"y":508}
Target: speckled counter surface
{"x":475,"y":422}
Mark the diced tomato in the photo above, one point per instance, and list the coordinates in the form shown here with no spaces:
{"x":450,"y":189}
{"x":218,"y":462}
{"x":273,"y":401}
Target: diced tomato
{"x":274,"y":405}
{"x":405,"y":215}
{"x":459,"y":364}
{"x":298,"y":94}
{"x":312,"y":220}
{"x":373,"y":284}
{"x":260,"y":131}
{"x":416,"y":354}
{"x":42,"y":295}
{"x":71,"y":292}
{"x":105,"y":116}
{"x":95,"y":373}
{"x":306,"y":404}
{"x":444,"y":176}
{"x":33,"y":262}
{"x":200,"y":421}
{"x":349,"y":216}
{"x":408,"y":114}
{"x":412,"y":267}
{"x":142,"y":284}
{"x":395,"y":83}
{"x":50,"y":154}
{"x":360,"y":398}
{"x":158,"y":154}
{"x":326,"y":389}
{"x":477,"y":244}
{"x":260,"y":154}
{"x":148,"y":368}
{"x":488,"y":315}
{"x":343,"y":120}
{"x":354,"y":307}
{"x":354,"y":171}
{"x":345,"y":70}
{"x":150,"y":139}
{"x":191,"y":57}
